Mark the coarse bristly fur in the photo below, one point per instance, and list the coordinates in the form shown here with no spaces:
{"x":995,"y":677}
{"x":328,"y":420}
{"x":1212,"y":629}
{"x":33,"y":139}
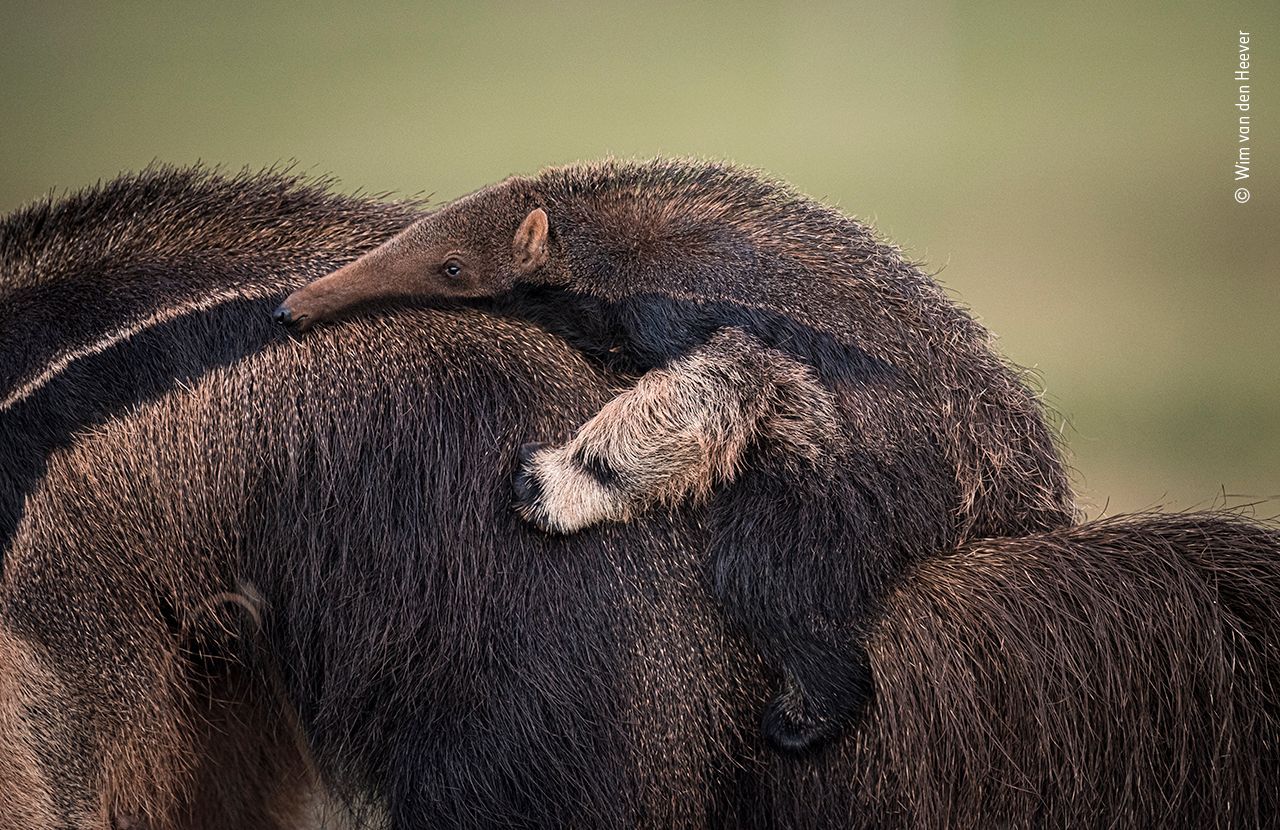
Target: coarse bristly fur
{"x":725,"y":287}
{"x":212,"y":530}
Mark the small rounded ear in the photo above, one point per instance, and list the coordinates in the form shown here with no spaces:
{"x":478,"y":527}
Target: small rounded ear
{"x":530,"y":243}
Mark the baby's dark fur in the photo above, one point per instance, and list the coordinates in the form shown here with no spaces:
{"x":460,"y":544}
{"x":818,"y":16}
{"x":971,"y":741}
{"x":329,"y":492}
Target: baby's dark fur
{"x":450,"y":668}
{"x":904,"y":434}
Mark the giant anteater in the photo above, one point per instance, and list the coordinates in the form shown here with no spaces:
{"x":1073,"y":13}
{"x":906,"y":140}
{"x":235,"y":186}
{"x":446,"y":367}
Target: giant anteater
{"x":727,"y":288}
{"x":207,"y":524}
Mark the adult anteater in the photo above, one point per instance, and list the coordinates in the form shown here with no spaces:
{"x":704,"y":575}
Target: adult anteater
{"x":169,"y":460}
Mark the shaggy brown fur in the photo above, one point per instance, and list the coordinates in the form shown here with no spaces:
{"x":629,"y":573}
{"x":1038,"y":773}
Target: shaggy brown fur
{"x":451,"y":668}
{"x":657,"y":256}
{"x":26,"y":788}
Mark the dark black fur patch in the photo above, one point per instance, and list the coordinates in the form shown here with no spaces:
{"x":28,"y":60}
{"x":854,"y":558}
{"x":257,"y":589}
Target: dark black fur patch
{"x":143,"y":368}
{"x":598,"y":468}
{"x":649,"y":331}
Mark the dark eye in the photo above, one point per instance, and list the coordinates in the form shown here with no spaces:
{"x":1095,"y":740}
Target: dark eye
{"x":452,"y":268}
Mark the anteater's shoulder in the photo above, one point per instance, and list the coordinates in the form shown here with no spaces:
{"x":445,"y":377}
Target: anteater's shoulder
{"x":165,"y":214}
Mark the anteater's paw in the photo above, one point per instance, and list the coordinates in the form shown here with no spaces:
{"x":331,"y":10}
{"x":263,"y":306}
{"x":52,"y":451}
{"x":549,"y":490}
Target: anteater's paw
{"x":556,"y":493}
{"x":796,"y":724}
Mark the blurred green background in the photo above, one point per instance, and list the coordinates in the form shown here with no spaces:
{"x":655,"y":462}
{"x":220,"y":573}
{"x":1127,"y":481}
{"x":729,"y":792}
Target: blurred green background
{"x":1068,"y":169}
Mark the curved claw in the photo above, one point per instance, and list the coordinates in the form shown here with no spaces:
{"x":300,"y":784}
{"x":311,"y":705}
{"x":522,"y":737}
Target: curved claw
{"x":527,"y":488}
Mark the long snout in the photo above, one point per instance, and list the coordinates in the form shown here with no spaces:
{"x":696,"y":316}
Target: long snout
{"x":358,"y":283}
{"x":326,"y":298}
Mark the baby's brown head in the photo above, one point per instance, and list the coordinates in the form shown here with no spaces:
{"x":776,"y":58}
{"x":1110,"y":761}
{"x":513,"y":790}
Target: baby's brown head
{"x":479,"y":246}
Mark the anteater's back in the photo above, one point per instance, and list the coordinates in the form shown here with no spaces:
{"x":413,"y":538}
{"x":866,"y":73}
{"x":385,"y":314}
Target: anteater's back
{"x":701,"y":243}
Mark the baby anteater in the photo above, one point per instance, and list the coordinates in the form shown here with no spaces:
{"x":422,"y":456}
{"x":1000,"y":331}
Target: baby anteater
{"x":843,"y":417}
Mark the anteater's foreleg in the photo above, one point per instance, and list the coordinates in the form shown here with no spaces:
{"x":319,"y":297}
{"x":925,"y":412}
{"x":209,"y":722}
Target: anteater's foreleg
{"x":679,"y":432}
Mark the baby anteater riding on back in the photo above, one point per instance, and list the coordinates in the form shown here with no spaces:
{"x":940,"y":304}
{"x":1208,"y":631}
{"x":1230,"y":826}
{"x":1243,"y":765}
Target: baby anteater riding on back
{"x":843,"y":417}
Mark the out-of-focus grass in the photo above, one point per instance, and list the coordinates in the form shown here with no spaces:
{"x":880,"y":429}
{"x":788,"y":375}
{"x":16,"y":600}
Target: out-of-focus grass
{"x":1067,"y":169}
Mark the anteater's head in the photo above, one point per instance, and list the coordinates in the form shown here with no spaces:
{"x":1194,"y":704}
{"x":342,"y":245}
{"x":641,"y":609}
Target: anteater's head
{"x":478,"y":246}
